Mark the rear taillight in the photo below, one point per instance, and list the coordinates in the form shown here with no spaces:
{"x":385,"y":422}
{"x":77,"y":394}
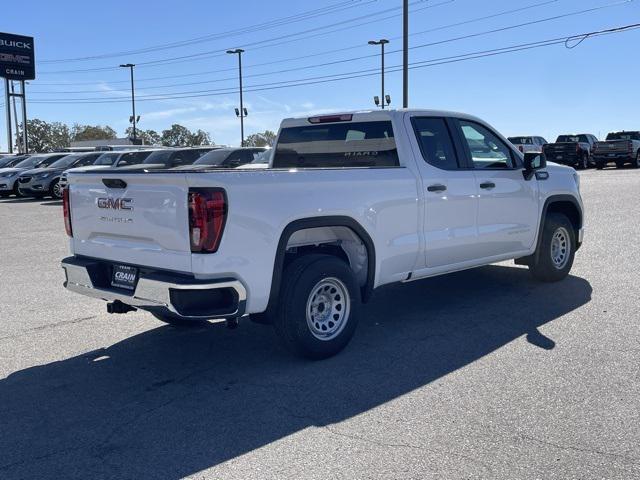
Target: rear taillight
{"x":577,"y":148}
{"x":630,"y":146}
{"x":207,"y":217}
{"x":66,"y":211}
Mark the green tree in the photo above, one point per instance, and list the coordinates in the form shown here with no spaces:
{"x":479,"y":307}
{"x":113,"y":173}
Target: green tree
{"x":200,"y":137}
{"x":92,"y":132}
{"x":175,"y":136}
{"x":150,"y":137}
{"x":47,"y":137}
{"x":264,"y":139}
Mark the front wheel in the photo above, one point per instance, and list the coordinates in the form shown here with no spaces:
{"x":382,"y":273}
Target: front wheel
{"x":636,"y":163}
{"x":319,"y":306}
{"x":55,"y":190}
{"x":556,"y":250}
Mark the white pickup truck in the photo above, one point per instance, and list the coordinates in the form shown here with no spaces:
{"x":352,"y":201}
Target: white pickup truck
{"x":350,"y":202}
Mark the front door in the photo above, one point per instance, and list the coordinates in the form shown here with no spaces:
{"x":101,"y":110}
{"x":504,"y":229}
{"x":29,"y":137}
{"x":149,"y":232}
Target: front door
{"x":508,"y":207}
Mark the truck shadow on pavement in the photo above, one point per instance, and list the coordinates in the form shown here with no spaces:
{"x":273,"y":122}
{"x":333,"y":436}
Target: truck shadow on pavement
{"x":168,"y":403}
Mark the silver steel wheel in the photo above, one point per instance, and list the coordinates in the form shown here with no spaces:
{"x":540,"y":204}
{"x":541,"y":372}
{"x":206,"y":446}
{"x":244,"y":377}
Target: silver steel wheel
{"x":57,"y":190}
{"x":560,"y":248}
{"x":328,"y":308}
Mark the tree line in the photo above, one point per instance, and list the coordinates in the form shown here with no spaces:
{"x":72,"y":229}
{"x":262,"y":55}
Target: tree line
{"x":46,"y":136}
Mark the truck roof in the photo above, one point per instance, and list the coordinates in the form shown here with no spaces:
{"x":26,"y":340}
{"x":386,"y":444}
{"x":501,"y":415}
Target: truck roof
{"x":373,"y":115}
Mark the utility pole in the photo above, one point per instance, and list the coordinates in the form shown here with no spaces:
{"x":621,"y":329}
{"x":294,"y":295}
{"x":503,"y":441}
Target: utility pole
{"x":382,"y":42}
{"x":15,"y":117}
{"x":7,"y":100}
{"x":243,"y":111}
{"x":405,"y":54}
{"x":133,"y":98}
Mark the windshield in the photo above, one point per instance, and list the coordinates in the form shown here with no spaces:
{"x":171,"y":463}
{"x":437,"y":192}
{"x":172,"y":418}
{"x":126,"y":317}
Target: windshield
{"x":160,"y":157}
{"x":521,"y":140}
{"x":106,"y":159}
{"x":572,"y":138}
{"x":132,"y":158}
{"x":214,"y":157}
{"x":65,"y":161}
{"x":31,"y":161}
{"x":11,"y":161}
{"x":624,"y":136}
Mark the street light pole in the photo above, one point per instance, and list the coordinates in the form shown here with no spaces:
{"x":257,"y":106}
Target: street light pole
{"x":405,"y":54}
{"x":133,"y":98}
{"x":243,"y":113}
{"x":382,"y":42}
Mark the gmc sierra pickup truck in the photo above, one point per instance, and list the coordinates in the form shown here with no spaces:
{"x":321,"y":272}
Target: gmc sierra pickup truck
{"x":572,"y":150}
{"x":350,"y":202}
{"x":619,"y":148}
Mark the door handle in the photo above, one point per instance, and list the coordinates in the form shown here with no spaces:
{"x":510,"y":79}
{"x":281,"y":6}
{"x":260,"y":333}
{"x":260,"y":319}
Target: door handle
{"x":487,"y":185}
{"x":436,"y":188}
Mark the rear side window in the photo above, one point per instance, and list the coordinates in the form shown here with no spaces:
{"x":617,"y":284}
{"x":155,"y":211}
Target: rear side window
{"x":357,"y":144}
{"x":435,"y":142}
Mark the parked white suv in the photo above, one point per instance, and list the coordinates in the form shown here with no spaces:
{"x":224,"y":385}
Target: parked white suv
{"x":350,"y":202}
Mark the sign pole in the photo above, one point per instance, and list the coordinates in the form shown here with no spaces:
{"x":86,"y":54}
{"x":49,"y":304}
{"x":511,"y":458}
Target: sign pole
{"x":25,"y":141}
{"x":8,"y":109}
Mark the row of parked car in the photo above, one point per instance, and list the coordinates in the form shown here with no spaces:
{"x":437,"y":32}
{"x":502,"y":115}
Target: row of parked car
{"x":584,"y":150}
{"x":44,"y":175}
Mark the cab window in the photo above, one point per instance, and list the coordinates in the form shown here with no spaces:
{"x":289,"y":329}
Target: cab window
{"x":486,"y":150}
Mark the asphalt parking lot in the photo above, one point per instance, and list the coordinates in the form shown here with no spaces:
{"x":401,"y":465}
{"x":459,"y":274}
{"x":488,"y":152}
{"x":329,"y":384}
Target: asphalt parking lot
{"x":479,"y":374}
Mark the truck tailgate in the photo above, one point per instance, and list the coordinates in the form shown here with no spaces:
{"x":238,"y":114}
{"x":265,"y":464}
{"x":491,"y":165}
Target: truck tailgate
{"x":143,"y":222}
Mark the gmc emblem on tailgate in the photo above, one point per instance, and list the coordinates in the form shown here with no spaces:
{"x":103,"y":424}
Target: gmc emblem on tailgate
{"x":115,"y":203}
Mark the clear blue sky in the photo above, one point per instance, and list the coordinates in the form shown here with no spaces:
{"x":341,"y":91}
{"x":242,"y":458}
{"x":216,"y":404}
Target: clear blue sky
{"x":546,"y":91}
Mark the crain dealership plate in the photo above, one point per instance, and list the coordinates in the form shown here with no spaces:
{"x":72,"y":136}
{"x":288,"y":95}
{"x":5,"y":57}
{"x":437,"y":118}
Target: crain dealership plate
{"x":124,"y":277}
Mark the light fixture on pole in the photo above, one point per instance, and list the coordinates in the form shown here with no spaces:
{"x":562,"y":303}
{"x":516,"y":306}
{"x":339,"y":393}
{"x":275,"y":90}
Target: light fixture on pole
{"x":382,"y":42}
{"x":242,"y":112}
{"x":133,"y":100}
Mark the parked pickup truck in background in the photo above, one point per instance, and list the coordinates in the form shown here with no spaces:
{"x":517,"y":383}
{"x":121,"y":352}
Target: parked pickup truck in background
{"x":619,"y":148}
{"x":528,"y":144}
{"x":572,"y":150}
{"x":351,"y":202}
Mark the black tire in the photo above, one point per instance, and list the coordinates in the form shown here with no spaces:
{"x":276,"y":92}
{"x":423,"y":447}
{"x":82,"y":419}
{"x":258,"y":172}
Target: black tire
{"x":16,"y":192}
{"x":583,"y":163}
{"x":544,"y":268}
{"x":178,"y":322}
{"x":599,"y":165}
{"x":301,"y":322}
{"x":636,"y":164}
{"x":619,"y":164}
{"x":54,"y":188}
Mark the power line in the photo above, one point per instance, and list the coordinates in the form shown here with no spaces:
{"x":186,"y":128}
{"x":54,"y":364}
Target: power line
{"x":325,"y":52}
{"x":374,"y":71}
{"x":256,"y":44}
{"x":264,"y":25}
{"x":352,"y":59}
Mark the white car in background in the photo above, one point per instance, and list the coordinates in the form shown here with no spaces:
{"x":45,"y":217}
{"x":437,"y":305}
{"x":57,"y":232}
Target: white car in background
{"x":9,"y":176}
{"x":528,"y":143}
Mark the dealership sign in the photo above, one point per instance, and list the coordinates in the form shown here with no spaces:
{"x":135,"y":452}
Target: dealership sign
{"x":17,"y":58}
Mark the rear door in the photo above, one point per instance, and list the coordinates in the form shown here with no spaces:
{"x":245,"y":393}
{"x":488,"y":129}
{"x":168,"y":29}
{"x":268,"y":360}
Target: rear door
{"x":450,"y":193}
{"x":507,"y":203}
{"x":143,"y":222}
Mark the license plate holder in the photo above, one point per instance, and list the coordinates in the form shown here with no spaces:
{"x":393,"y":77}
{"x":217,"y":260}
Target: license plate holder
{"x":124,"y":276}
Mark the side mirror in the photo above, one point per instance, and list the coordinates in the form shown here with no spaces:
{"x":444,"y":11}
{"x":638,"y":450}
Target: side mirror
{"x":533,"y":161}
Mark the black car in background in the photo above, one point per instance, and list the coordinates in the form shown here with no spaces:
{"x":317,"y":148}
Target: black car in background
{"x":572,"y":150}
{"x":174,"y":157}
{"x":227,"y":157}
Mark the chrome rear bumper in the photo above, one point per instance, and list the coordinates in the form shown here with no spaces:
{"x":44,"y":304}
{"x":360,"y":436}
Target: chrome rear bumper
{"x":158,"y":292}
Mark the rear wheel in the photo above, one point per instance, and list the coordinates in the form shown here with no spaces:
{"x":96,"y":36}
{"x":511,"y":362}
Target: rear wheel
{"x":319,"y":306}
{"x":636,"y":164}
{"x":599,"y":165}
{"x":554,"y":258}
{"x":619,"y":164}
